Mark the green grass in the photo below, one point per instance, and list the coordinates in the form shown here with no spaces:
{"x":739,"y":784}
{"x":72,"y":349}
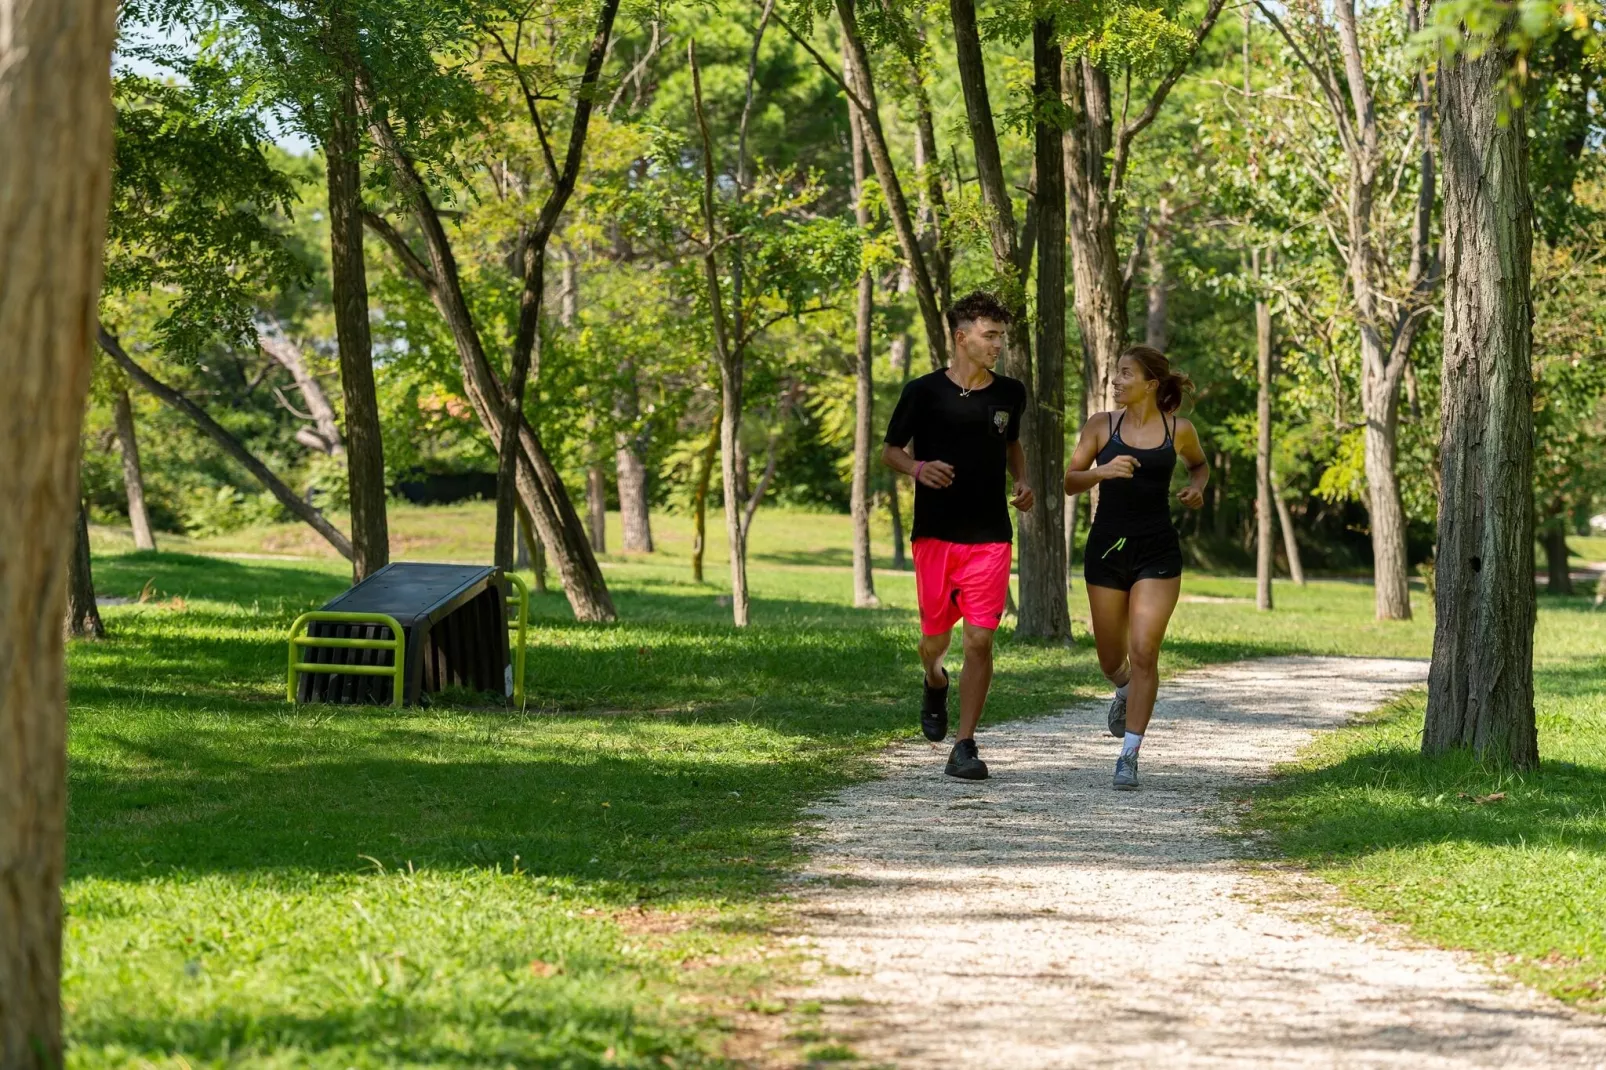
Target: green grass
{"x":587,"y":882}
{"x":1516,"y":878}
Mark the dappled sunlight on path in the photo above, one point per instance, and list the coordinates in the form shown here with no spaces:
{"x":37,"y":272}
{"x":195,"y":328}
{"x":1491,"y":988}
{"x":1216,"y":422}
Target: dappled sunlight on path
{"x":1040,"y":919}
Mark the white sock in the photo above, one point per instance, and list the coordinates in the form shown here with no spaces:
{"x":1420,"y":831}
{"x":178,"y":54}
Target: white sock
{"x":1131,"y":743}
{"x":1121,"y":691}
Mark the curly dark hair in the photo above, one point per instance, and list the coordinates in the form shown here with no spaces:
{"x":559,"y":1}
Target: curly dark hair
{"x":977,"y":305}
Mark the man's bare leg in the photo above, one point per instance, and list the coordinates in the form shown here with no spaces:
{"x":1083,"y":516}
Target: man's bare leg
{"x":976,"y":678}
{"x":932,"y":650}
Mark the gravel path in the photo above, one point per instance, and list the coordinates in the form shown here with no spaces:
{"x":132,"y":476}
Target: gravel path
{"x":1040,"y":919}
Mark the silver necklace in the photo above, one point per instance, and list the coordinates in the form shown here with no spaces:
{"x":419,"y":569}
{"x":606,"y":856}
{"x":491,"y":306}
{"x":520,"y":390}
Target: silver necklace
{"x":965,"y":392}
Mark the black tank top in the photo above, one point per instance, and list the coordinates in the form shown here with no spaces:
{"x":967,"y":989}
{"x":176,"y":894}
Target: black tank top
{"x":1140,"y":505}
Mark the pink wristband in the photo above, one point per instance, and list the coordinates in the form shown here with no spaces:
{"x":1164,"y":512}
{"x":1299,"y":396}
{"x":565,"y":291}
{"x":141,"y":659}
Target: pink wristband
{"x":918,"y":466}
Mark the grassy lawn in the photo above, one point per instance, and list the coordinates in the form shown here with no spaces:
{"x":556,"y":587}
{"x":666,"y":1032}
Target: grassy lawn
{"x":1510,"y":867}
{"x":589,"y":881}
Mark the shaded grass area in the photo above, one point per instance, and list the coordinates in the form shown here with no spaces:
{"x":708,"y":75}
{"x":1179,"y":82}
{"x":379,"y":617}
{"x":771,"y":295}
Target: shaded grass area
{"x":1508,"y":866}
{"x":584,"y":882}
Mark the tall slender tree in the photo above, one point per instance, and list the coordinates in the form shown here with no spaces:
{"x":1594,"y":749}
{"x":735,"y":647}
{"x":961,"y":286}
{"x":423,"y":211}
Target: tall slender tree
{"x":1387,"y":322}
{"x":133,"y":474}
{"x":864,"y":381}
{"x":348,"y":276}
{"x":55,"y":167}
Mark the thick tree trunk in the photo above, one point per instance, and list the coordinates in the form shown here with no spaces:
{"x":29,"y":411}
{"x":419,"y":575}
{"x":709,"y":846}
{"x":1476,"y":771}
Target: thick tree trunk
{"x":1044,"y":613}
{"x":857,"y":75}
{"x":1098,"y":287}
{"x":1559,"y":577}
{"x":1480,"y":687}
{"x":83,"y":614}
{"x":864,"y":594}
{"x":597,"y":507}
{"x":1285,"y":519}
{"x":1044,"y":576}
{"x":281,"y":491}
{"x":1263,"y":492}
{"x":133,"y":474}
{"x":365,"y":450}
{"x":324,"y":434}
{"x":55,"y":167}
{"x":630,"y":469}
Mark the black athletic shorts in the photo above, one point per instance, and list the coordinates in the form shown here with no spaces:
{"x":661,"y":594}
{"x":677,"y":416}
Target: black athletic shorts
{"x":1119,"y":561}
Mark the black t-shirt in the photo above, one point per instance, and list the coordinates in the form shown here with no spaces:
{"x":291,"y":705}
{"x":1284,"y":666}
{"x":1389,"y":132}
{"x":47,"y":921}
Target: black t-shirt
{"x":972,"y":432}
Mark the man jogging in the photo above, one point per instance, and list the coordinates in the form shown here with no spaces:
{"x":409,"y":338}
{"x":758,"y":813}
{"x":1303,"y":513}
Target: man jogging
{"x":955,"y":431}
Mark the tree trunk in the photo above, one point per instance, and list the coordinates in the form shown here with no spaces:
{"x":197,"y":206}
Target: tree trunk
{"x":1393,"y":592}
{"x":1559,"y":574}
{"x":55,"y":168}
{"x":1043,"y":610}
{"x":324,"y":434}
{"x":1480,"y":686}
{"x":1044,"y":576}
{"x":1285,"y":518}
{"x":630,"y":469}
{"x":864,"y":595}
{"x":1154,"y":333}
{"x":705,"y":472}
{"x":533,"y":550}
{"x":365,"y":449}
{"x":857,"y":75}
{"x":537,"y":481}
{"x":900,"y":364}
{"x":1263,"y":493}
{"x":597,"y":506}
{"x":1098,"y":287}
{"x":83,"y":614}
{"x":286,"y":497}
{"x":133,"y":475}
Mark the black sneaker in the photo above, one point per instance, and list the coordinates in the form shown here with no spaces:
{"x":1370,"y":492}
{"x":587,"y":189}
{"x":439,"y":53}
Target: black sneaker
{"x":964,"y":763}
{"x":934,"y":710}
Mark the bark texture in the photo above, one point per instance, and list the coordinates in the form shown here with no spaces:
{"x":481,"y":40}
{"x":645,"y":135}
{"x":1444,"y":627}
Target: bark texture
{"x":133,"y":475}
{"x":1480,"y":688}
{"x":864,"y":391}
{"x":1045,"y":572}
{"x":55,"y":167}
{"x":83,"y":614}
{"x":348,"y":275}
{"x":281,"y":491}
{"x":1154,"y":329}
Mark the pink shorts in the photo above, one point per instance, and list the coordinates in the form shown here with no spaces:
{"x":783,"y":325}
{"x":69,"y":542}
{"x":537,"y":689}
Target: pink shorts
{"x":958,"y":579}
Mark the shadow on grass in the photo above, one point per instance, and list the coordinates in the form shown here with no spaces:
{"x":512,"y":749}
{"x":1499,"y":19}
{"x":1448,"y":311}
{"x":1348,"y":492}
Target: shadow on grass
{"x":1391,"y":796}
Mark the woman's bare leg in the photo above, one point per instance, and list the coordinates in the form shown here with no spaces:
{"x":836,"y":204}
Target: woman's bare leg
{"x":1151,"y":605}
{"x":1108,"y":607}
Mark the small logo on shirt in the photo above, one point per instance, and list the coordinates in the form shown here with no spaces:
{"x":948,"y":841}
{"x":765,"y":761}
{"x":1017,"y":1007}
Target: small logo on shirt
{"x":1000,"y":420}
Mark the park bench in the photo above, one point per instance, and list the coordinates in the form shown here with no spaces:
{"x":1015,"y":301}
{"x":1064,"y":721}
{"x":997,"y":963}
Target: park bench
{"x":412,"y":629}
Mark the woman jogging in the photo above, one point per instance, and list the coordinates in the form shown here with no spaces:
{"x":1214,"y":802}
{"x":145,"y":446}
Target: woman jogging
{"x":1133,"y":563}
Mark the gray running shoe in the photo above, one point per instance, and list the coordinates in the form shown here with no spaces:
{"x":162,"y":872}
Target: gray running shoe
{"x":1117,"y":717}
{"x":1126,"y":772}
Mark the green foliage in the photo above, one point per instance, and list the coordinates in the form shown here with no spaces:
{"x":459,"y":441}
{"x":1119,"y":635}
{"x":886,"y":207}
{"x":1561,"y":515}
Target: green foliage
{"x":193,"y":193}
